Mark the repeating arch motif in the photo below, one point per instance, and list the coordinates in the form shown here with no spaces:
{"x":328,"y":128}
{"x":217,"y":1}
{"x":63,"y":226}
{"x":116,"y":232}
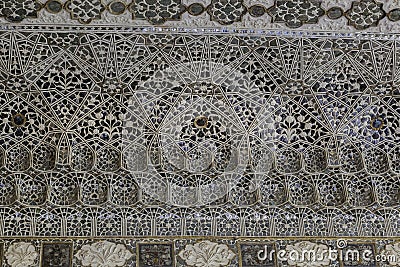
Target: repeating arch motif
{"x":169,"y":134}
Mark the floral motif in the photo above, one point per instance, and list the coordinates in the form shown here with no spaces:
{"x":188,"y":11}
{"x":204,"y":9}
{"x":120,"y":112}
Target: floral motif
{"x":16,"y":11}
{"x":156,"y":255}
{"x":226,"y":11}
{"x":317,"y":258}
{"x":85,"y":10}
{"x":295,"y":13}
{"x":207,"y":254}
{"x":325,"y":110}
{"x":157,"y":12}
{"x":103,"y":254}
{"x":392,"y":251}
{"x":365,"y":14}
{"x":56,"y":254}
{"x":21,"y":255}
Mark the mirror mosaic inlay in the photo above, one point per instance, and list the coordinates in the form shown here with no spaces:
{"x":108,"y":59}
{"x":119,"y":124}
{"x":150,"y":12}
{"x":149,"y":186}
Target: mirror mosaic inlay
{"x":205,"y":133}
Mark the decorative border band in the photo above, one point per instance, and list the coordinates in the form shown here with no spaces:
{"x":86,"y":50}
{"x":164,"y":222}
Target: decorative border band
{"x":358,"y":15}
{"x":201,"y":252}
{"x":291,"y":33}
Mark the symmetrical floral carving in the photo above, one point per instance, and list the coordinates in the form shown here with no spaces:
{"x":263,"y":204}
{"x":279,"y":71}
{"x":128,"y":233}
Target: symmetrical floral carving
{"x":227,"y":11}
{"x":207,"y":254}
{"x":296,"y":13}
{"x":16,"y":10}
{"x":361,"y":14}
{"x":21,"y":255}
{"x":85,"y":10}
{"x":365,"y":13}
{"x":149,"y":133}
{"x":103,"y":254}
{"x":157,"y":12}
{"x":102,"y":126}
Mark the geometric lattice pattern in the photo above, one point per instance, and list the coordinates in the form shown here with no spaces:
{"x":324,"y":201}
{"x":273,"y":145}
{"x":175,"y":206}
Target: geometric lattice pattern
{"x":206,"y":133}
{"x":104,"y":134}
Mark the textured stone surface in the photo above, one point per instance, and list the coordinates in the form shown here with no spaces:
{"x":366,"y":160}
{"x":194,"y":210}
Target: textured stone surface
{"x":195,"y":133}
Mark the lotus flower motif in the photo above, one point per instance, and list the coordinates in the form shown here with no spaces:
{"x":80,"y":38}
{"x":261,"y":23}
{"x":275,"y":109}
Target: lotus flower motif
{"x":207,"y":254}
{"x":21,"y":255}
{"x":103,"y":254}
{"x":309,"y":254}
{"x":392,"y":253}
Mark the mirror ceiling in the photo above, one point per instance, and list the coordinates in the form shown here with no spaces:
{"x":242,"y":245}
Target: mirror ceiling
{"x":198,"y":133}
